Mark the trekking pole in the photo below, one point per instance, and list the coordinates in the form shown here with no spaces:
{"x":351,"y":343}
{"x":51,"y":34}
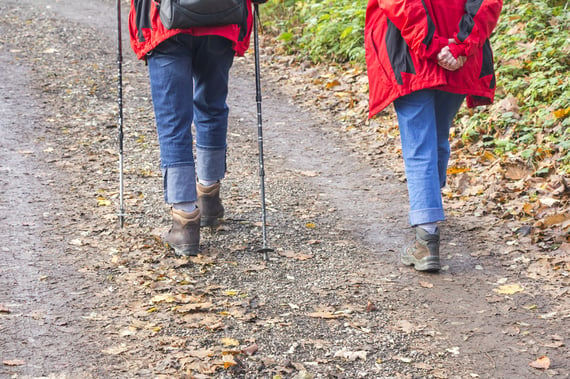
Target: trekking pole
{"x":265,"y":250}
{"x":120,"y":119}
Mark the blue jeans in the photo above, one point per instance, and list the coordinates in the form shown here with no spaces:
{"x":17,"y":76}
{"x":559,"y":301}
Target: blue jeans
{"x":189,"y":83}
{"x":424,"y":119}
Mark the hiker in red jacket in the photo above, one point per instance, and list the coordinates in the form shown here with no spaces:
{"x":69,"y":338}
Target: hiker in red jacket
{"x":189,"y":71}
{"x":426,"y":57}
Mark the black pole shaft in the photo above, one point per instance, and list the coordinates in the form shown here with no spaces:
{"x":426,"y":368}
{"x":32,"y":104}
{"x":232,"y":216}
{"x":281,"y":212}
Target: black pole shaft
{"x":260,"y":130}
{"x":120,"y":117}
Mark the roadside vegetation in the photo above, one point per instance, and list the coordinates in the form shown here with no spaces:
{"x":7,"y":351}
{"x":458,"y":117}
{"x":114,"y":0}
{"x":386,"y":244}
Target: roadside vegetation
{"x":532,"y":52}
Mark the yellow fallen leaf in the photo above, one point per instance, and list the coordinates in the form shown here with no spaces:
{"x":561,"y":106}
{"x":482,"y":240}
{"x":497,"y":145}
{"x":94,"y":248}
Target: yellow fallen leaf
{"x":229,"y":361}
{"x":509,"y":289}
{"x":230,"y":342}
{"x":488,"y":156}
{"x":332,"y":83}
{"x":102,"y":202}
{"x":457,"y":170}
{"x":541,"y":363}
{"x":310,"y":225}
{"x":561,"y":113}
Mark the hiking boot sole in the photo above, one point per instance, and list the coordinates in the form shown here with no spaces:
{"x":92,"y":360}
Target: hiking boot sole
{"x":210,"y":221}
{"x":430,"y":264}
{"x":183,"y":250}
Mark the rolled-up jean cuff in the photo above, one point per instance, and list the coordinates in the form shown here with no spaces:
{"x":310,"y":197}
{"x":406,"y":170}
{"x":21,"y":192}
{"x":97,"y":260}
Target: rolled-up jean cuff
{"x":179,"y":184}
{"x":211,"y":163}
{"x":425,"y":216}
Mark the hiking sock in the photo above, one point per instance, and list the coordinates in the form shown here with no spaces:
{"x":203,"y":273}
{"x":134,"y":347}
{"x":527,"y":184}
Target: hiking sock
{"x":188,"y":206}
{"x":207,"y":183}
{"x":430,"y":227}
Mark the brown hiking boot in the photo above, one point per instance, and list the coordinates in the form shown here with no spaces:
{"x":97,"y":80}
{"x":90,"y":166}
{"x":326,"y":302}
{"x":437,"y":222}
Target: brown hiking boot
{"x":210,"y":204}
{"x":184,"y":236}
{"x":423,"y":254}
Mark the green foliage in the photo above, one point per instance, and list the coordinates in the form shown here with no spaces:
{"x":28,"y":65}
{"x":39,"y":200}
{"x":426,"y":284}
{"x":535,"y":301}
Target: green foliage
{"x":323,"y":30}
{"x":532,"y":58}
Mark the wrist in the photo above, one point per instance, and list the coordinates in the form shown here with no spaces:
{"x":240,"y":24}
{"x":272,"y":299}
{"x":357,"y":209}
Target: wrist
{"x":457,"y":50}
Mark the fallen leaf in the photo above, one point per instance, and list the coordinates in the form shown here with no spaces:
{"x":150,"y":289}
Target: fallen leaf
{"x":298,"y":256}
{"x":194,"y":307}
{"x":541,"y":363}
{"x":203,"y":259}
{"x":303,"y":257}
{"x":14,"y":362}
{"x":102,"y":202}
{"x":457,"y":170}
{"x":115,"y":350}
{"x":332,"y":83}
{"x":562,"y":112}
{"x":509,"y":289}
{"x":310,"y":225}
{"x":197,"y":320}
{"x":516,"y":171}
{"x":165,"y":297}
{"x":230,"y":342}
{"x":426,"y":284}
{"x":325,"y":315}
{"x":4,"y":309}
{"x":229,"y":361}
{"x":552,"y":220}
{"x":201,"y":354}
{"x":351,"y":355}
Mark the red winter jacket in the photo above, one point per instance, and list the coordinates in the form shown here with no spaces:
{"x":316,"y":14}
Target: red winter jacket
{"x":146,"y":30}
{"x":403,"y":38}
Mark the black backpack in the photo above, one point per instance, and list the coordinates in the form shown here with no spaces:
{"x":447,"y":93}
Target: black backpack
{"x":180,"y":14}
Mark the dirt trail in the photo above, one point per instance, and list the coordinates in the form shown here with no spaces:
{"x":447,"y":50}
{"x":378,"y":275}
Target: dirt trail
{"x":82,"y":298}
{"x":44,"y":297}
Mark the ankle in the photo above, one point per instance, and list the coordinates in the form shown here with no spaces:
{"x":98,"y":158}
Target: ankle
{"x":430,"y":227}
{"x":188,"y":206}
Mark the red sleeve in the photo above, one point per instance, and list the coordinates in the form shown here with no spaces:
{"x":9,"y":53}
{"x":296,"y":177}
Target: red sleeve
{"x":476,"y":26}
{"x":416,"y":25}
